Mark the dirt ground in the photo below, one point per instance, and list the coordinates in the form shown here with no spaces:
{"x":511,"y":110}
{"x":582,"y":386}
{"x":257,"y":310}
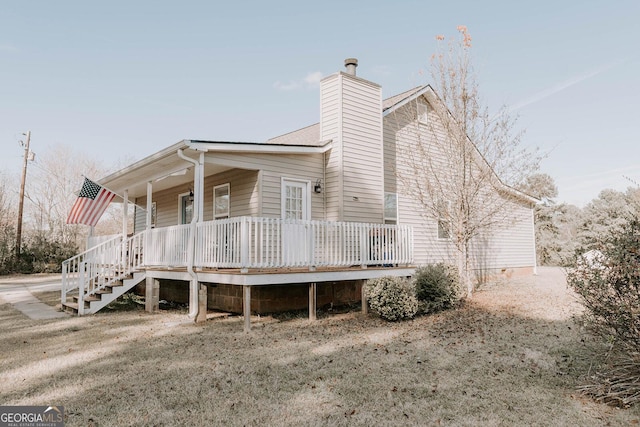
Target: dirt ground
{"x":513,"y":355}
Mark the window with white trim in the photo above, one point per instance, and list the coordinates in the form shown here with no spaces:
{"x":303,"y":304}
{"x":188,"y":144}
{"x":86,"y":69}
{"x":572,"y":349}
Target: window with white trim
{"x":221,"y":199}
{"x":185,"y":207}
{"x":390,"y":208}
{"x":444,"y":220}
{"x":423,"y":113}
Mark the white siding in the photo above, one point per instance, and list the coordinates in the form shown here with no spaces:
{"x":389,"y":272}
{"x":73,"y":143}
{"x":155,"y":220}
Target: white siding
{"x":351,"y":115}
{"x":510,"y":244}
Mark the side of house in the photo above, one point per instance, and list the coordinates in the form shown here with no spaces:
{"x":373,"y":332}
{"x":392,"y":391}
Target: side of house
{"x":413,"y":127}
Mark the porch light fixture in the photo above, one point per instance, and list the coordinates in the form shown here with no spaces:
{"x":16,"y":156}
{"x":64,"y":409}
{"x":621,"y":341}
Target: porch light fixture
{"x":318,"y":187}
{"x":190,"y":195}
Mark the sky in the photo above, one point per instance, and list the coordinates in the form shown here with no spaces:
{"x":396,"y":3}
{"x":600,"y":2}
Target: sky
{"x":120,"y":80}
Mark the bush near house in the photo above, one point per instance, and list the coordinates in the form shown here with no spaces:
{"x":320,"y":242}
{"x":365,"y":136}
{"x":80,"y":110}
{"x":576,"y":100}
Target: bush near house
{"x":433,"y":288}
{"x":607,"y":281}
{"x":392,"y":298}
{"x":437,"y":287}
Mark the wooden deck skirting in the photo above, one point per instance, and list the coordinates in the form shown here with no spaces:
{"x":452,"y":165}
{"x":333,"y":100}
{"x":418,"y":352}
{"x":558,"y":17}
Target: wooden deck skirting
{"x":279,"y":276}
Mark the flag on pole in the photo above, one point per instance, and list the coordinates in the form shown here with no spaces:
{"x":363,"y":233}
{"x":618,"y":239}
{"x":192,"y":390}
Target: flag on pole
{"x":92,"y":201}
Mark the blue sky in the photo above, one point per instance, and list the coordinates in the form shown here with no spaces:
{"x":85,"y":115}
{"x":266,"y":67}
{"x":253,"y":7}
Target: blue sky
{"x":119,"y":80}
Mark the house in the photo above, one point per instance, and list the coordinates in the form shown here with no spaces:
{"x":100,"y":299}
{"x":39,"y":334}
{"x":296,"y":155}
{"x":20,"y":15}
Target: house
{"x":303,"y":218}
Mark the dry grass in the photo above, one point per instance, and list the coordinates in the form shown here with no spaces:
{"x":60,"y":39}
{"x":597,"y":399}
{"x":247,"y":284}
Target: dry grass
{"x":512,"y":356}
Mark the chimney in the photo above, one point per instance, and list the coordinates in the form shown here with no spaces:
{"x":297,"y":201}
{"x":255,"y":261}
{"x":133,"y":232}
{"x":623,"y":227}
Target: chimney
{"x":351,"y":64}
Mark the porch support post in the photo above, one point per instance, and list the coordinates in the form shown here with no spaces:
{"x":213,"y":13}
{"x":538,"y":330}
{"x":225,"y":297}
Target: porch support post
{"x":125,"y":220}
{"x":312,"y":301}
{"x":246,"y":307}
{"x":149,"y":205}
{"x":152,"y":295}
{"x":200,"y":186}
{"x":365,"y":305}
{"x":125,"y":214}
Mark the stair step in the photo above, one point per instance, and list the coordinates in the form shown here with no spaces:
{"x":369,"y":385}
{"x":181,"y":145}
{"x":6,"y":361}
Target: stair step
{"x":88,"y":298}
{"x":70,"y":307}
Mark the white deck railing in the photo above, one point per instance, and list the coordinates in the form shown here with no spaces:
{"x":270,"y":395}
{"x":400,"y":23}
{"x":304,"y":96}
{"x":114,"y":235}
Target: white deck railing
{"x":249,"y":242}
{"x":241,"y":242}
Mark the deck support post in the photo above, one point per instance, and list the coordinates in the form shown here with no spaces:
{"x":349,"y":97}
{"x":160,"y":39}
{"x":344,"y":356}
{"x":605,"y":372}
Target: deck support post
{"x":313,"y":301}
{"x":152,"y":295}
{"x":363,"y":297}
{"x":202,"y":304}
{"x":246,"y":307}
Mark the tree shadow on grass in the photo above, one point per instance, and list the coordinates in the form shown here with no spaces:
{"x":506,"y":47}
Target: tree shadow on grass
{"x":469,"y":366}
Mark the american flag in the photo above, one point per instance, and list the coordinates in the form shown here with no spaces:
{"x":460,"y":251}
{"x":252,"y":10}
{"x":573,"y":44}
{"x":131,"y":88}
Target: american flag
{"x":92,"y":201}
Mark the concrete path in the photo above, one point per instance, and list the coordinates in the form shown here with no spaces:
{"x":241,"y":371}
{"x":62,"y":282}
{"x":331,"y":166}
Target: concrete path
{"x":16,"y":290}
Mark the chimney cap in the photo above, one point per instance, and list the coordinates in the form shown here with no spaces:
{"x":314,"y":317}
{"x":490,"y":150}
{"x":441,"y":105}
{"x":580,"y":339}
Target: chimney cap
{"x":351,"y":64}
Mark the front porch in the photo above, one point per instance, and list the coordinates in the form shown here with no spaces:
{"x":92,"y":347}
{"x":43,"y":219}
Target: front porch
{"x":240,"y":251}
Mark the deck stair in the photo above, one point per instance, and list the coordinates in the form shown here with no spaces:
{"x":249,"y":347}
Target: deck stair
{"x":101,"y":298}
{"x":100,"y":275}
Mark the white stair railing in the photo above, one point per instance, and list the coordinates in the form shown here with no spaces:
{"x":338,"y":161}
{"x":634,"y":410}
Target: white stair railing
{"x":100,"y":266}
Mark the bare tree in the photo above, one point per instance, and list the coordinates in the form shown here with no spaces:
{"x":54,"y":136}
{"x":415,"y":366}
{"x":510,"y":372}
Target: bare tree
{"x":8,"y":217}
{"x":462,"y":169}
{"x":52,"y":188}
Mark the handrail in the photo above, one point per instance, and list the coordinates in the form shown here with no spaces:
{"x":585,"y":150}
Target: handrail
{"x":100,"y":266}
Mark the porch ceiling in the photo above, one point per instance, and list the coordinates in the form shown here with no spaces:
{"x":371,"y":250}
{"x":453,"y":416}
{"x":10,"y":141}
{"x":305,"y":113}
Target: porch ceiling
{"x":164,"y":172}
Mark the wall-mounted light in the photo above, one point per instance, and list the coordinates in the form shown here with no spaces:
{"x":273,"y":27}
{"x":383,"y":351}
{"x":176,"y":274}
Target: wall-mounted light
{"x":318,"y":187}
{"x":190,"y":195}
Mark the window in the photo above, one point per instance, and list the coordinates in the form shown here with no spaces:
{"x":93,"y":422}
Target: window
{"x":444,"y":221}
{"x":390,"y":208}
{"x":221,"y":198}
{"x":185,"y":207}
{"x":423,"y":113}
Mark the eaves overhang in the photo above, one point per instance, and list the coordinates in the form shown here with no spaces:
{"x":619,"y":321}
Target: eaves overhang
{"x":257,"y":147}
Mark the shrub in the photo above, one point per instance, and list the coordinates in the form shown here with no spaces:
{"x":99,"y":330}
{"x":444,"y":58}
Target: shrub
{"x":607,"y":280}
{"x":608,"y":283}
{"x":437,"y":287}
{"x":392,"y":298}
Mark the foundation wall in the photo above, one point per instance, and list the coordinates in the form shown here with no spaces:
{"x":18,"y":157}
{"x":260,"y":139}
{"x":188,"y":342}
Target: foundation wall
{"x":264,"y":299}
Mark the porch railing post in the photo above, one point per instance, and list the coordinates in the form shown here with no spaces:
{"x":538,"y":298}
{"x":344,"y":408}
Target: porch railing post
{"x":244,"y":246}
{"x":81,"y":281}
{"x":364,"y":245}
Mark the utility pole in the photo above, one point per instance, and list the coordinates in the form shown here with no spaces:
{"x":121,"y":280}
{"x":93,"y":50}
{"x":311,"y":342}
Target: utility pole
{"x":27,"y":156}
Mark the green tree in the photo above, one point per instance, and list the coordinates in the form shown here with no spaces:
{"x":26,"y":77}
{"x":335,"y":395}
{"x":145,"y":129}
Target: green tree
{"x":607,"y":213}
{"x":556,"y":225}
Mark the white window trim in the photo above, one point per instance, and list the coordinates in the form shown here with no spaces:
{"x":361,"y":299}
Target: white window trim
{"x":386,"y":218}
{"x":283,"y":195}
{"x":180,"y":214}
{"x":441,"y":220}
{"x":228,"y":214}
{"x":422,"y":110}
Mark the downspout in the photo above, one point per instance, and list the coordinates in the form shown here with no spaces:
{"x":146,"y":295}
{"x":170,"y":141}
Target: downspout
{"x":193,"y":287}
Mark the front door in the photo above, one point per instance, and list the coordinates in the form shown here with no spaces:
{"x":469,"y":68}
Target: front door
{"x":296,"y":210}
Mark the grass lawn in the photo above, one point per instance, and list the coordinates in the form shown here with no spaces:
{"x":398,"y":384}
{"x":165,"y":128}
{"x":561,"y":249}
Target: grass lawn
{"x":511,"y":356}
